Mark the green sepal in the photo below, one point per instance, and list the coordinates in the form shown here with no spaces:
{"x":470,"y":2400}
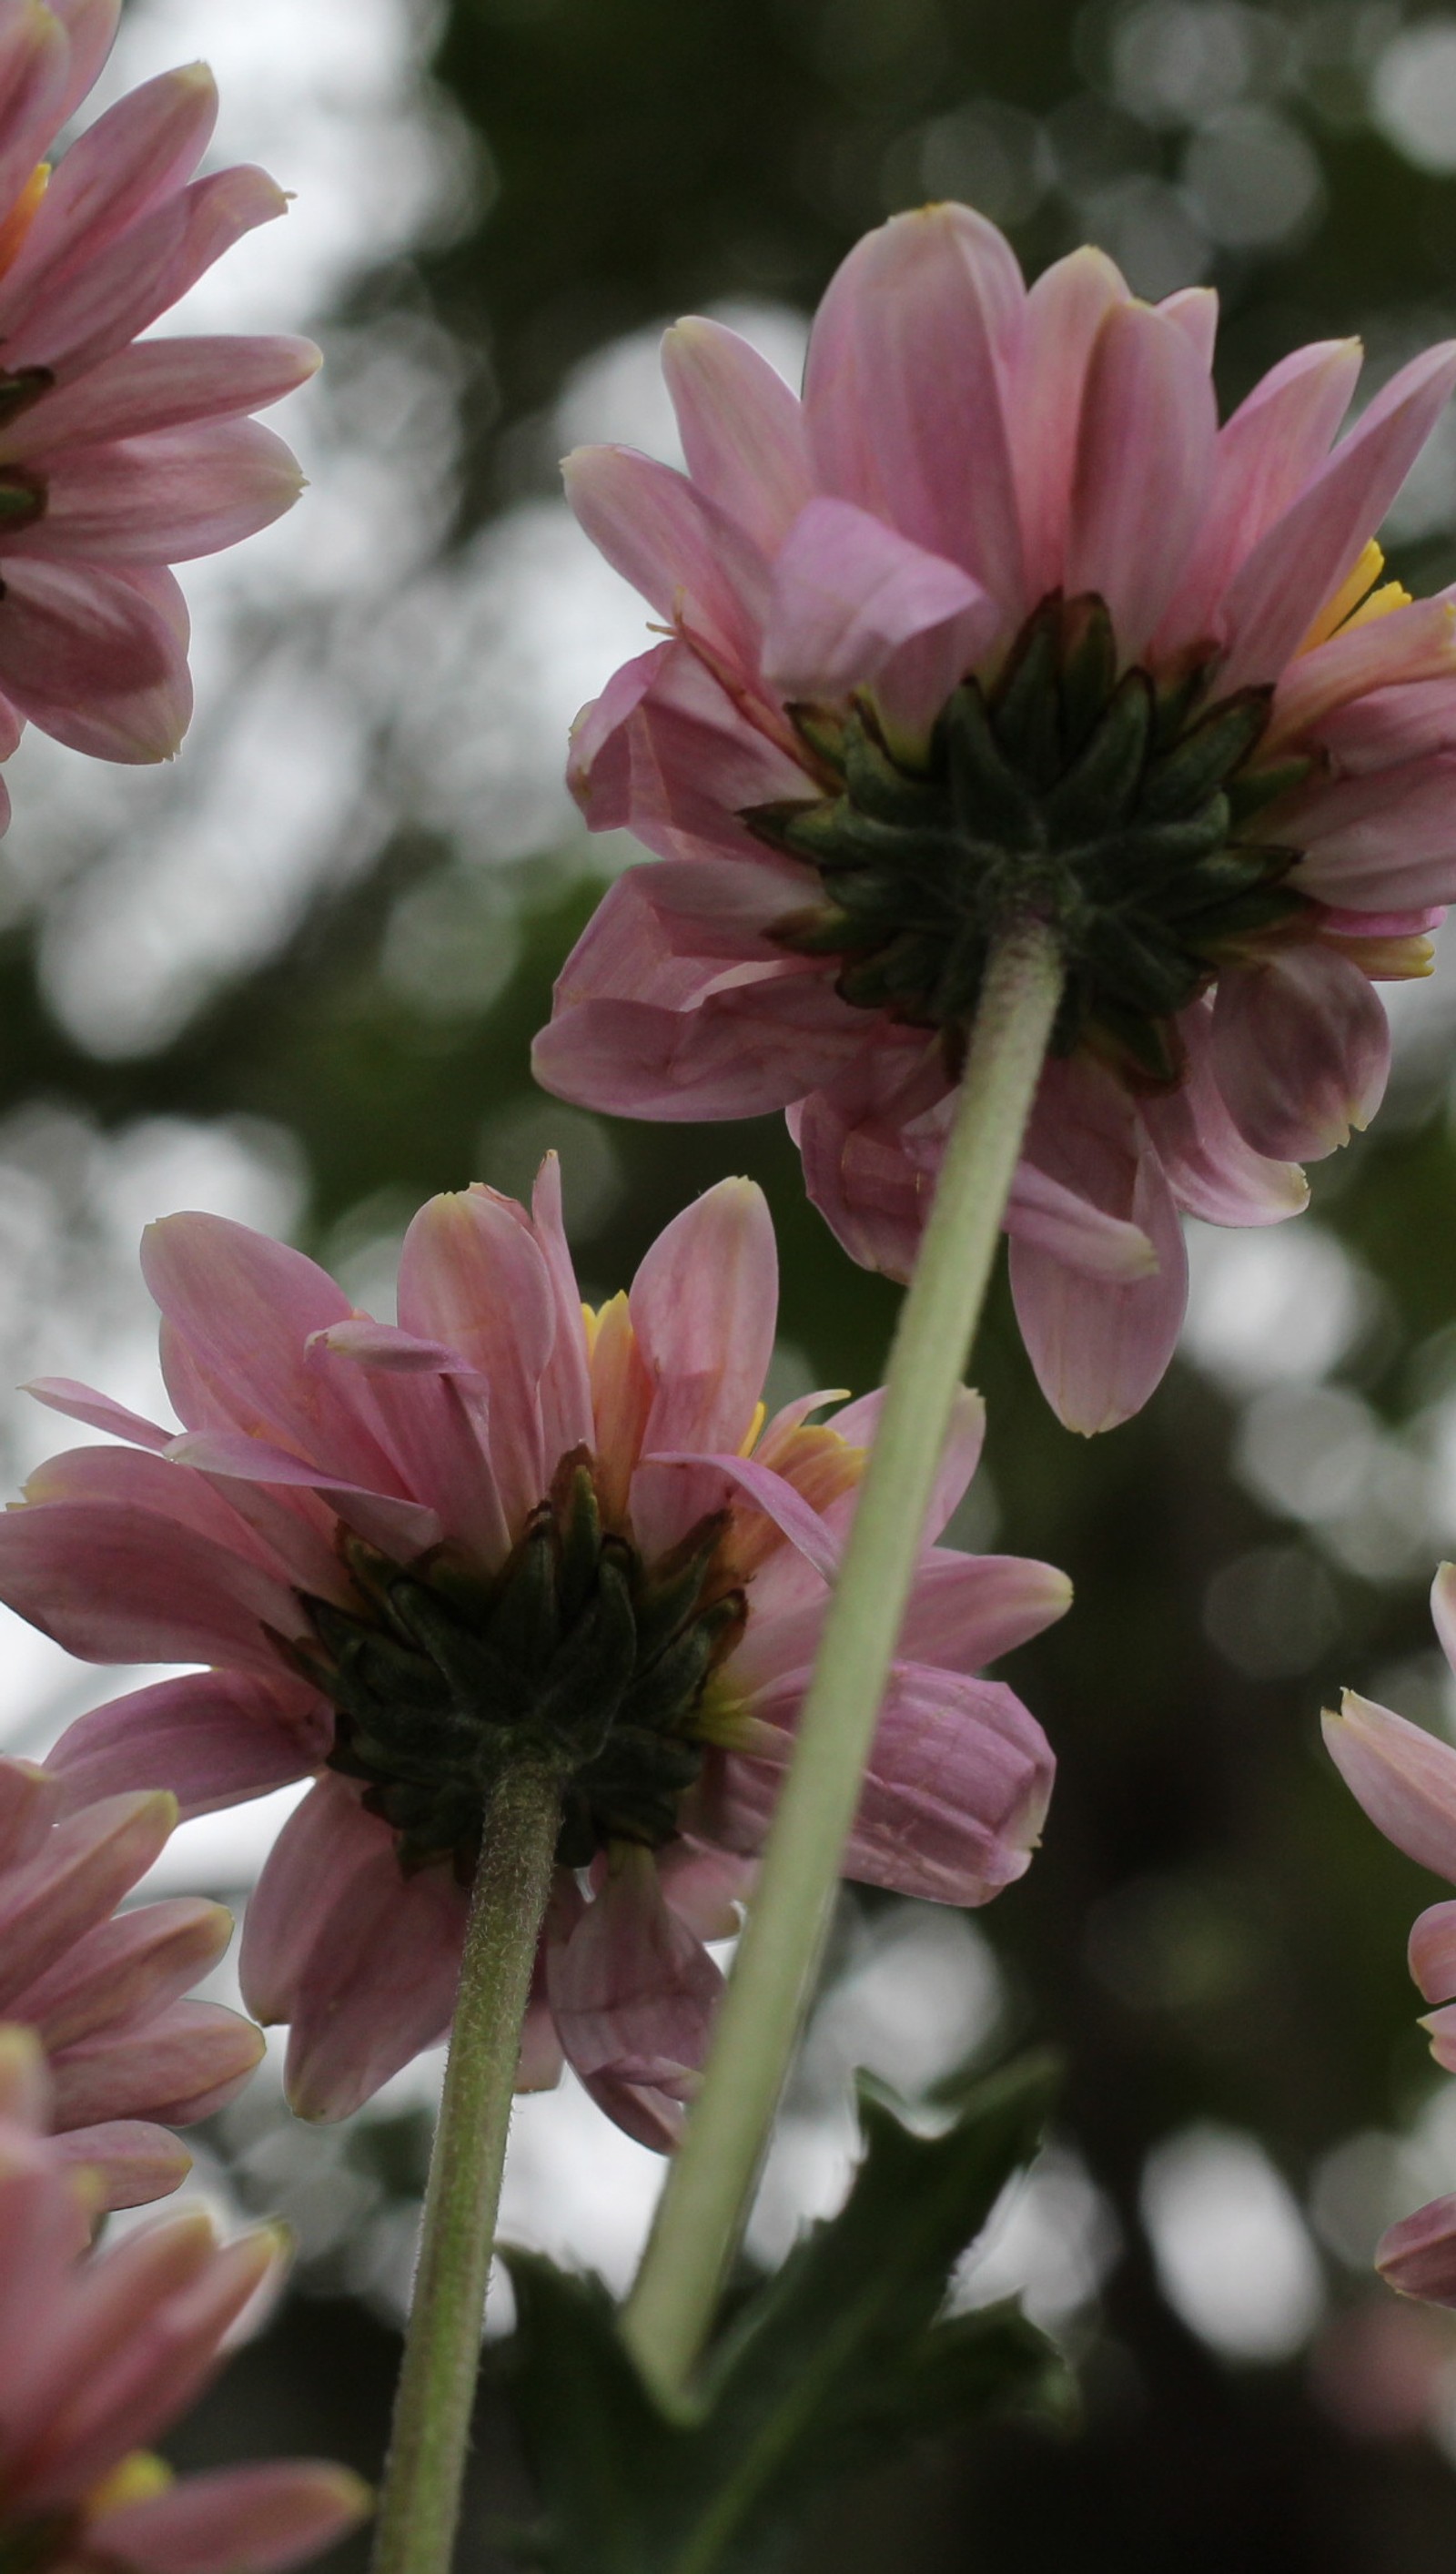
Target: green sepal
{"x":1257,"y":788}
{"x":1088,"y":669}
{"x":1026,"y":712}
{"x":838,"y":2362}
{"x":1206,"y":757}
{"x":1102,"y":781}
{"x":988,"y":796}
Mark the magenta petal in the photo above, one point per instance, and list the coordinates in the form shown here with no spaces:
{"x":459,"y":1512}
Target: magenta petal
{"x":703,"y":1305}
{"x":1144,"y":464}
{"x":213,"y":1738}
{"x":1403,"y":1776}
{"x":742,"y":429}
{"x":1301,"y":1050}
{"x":848,"y":593}
{"x":1418,"y":2255}
{"x":634,"y":1994}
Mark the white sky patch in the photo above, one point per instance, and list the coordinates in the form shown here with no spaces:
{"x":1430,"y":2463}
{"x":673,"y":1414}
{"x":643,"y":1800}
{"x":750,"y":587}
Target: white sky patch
{"x":1232,"y":2249}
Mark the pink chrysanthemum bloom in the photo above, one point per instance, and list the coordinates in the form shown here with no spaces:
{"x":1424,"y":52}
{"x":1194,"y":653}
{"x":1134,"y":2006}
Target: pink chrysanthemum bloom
{"x":1405,"y":1779}
{"x":118,"y":455}
{"x":101,"y":2351}
{"x":999,"y":622}
{"x":412,"y":1552}
{"x":105,"y":1991}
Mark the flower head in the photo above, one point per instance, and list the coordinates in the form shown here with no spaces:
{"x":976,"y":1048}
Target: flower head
{"x":413,"y":1552}
{"x":997,"y":622}
{"x":119,"y":456}
{"x":1405,"y":1779}
{"x":98,"y":2351}
{"x":106,"y":1991}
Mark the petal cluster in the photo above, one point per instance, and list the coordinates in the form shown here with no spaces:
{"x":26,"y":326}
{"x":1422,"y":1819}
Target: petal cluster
{"x":965,"y":450}
{"x":1405,"y":1779}
{"x":100,"y":2351}
{"x":129,"y":2055}
{"x":119,"y":456}
{"x":313,"y":1432}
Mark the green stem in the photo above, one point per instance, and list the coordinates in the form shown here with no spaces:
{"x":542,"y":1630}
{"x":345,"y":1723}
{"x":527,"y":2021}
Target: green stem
{"x":420,"y":2503}
{"x":710,"y":2184}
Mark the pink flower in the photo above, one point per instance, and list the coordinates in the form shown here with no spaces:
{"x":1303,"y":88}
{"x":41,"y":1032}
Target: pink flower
{"x":101,"y":2351}
{"x":998,"y":621}
{"x":398,"y":1547}
{"x":118,"y":455}
{"x":105,"y":1991}
{"x":1406,"y":1781}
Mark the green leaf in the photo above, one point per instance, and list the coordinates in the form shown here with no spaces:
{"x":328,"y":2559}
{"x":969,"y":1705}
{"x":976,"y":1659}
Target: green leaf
{"x":835,"y":2363}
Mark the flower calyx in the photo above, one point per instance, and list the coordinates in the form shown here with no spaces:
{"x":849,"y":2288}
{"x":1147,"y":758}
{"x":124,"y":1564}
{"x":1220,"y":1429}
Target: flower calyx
{"x":1119,"y":811}
{"x":578,"y":1656}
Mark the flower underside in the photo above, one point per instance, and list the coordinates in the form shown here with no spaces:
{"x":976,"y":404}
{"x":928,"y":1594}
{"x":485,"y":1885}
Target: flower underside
{"x":1117,"y":810}
{"x":577,"y":1655}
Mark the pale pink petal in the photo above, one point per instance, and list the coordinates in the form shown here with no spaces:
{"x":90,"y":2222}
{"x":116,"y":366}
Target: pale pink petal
{"x":1212,"y":1172}
{"x":133,"y":1480}
{"x":404,"y":1528}
{"x":1265,"y":455}
{"x":670,"y":1494}
{"x":848,"y":593}
{"x":164,"y":497}
{"x":706,"y":1887}
{"x":964,"y":1611}
{"x":1194,"y":310}
{"x":1301,"y":1050}
{"x":742,"y":427}
{"x":90,"y":26}
{"x":1418,"y":2256}
{"x":1431,"y":1954}
{"x":703,"y":1305}
{"x":959,"y":1455}
{"x":740,"y":1052}
{"x":1065,"y":310}
{"x":1385,"y":728}
{"x":132,"y":1587}
{"x":34,"y":81}
{"x":30,"y":1801}
{"x":903,"y":390}
{"x":472,"y":1275}
{"x":866,"y":1169}
{"x":1443,"y":1610}
{"x":1099,"y":1348}
{"x":1403,"y":1776}
{"x":178,"y":2067}
{"x":81,"y":1403}
{"x":79,"y":1876}
{"x":566,"y":1420}
{"x":162,"y":384}
{"x":133,"y":2162}
{"x":235,"y":2520}
{"x":71,"y":631}
{"x":667,"y":752}
{"x":689,"y":560}
{"x":1144,"y":464}
{"x":127,"y":1970}
{"x":1085,"y":1237}
{"x":138,"y":154}
{"x":1381,"y":841}
{"x":213,"y":1738}
{"x":634,"y":1994}
{"x":1274,"y":596}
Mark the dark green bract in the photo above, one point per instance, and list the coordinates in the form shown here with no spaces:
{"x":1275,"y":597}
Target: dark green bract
{"x":576,"y":1655}
{"x":1115,"y":811}
{"x":30,"y":2546}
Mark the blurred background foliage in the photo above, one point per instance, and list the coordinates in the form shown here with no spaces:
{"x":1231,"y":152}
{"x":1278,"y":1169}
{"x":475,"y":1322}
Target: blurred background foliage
{"x":297,"y":978}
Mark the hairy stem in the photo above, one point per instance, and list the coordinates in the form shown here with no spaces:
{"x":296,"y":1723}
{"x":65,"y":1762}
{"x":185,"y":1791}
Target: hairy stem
{"x":420,"y":2503}
{"x":708,"y":2187}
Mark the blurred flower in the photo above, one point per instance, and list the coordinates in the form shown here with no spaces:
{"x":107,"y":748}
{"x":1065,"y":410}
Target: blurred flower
{"x":118,"y":455}
{"x":999,"y":620}
{"x":1406,"y":1781}
{"x":98,"y":2351}
{"x":104,"y":1991}
{"x":411,"y":1551}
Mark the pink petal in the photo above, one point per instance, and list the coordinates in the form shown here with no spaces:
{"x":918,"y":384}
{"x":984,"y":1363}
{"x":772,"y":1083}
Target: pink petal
{"x":78,"y":1876}
{"x":133,"y":2162}
{"x":964,"y":1611}
{"x":1085,"y":1237}
{"x":30,"y":1801}
{"x":740,"y":1053}
{"x":668,"y":752}
{"x":689,"y":559}
{"x":1099,"y":1348}
{"x":178,"y":2067}
{"x":1418,"y":2256}
{"x":959,"y":1457}
{"x":703,"y":1305}
{"x":903,"y":390}
{"x":1144,"y":464}
{"x":742,"y":427}
{"x":162,"y":384}
{"x":116,"y":2295}
{"x":1194,"y":310}
{"x":1281,"y":585}
{"x":90,"y":26}
{"x":1443,"y":1610}
{"x":163,"y":498}
{"x":706,"y":1887}
{"x":474,"y":1276}
{"x":1410,"y":644}
{"x":134,"y":157}
{"x":127,"y":1970}
{"x":81,"y":1403}
{"x":363,"y":1961}
{"x":1403,"y":1776}
{"x":566,"y":1419}
{"x":1210,"y":1168}
{"x":214,"y":1739}
{"x":849,"y":593}
{"x":71,"y":634}
{"x":130,"y":1481}
{"x":634,"y":1994}
{"x":1388,"y":727}
{"x":1065,"y":310}
{"x":116,"y":1587}
{"x":872,"y":1144}
{"x":670,"y":1494}
{"x":1301,"y":1050}
{"x":1381,"y":841}
{"x":402,"y":1527}
{"x":236,"y":2520}
{"x":1265,"y":454}
{"x":34,"y":79}
{"x":1432,"y":1953}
